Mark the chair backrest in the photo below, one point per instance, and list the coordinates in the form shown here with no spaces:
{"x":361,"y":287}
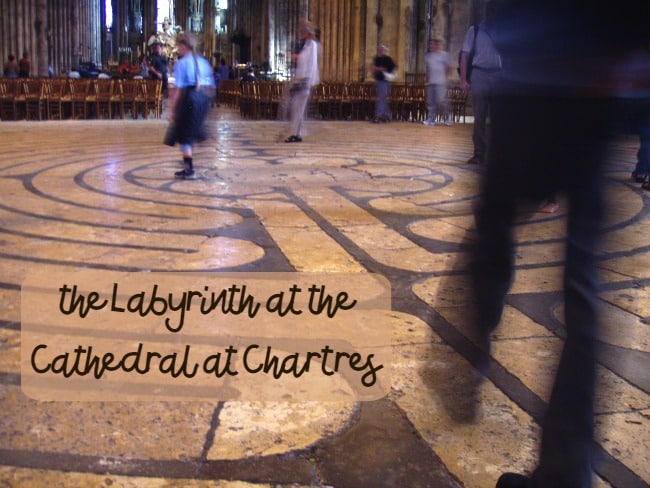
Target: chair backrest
{"x":415,"y":78}
{"x":129,"y":88}
{"x":10,"y":87}
{"x":52,"y":88}
{"x":32,"y":88}
{"x":152,"y":89}
{"x":80,"y":88}
{"x":104,"y":89}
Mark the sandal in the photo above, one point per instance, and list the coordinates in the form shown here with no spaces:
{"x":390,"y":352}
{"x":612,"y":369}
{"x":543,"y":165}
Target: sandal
{"x":639,"y":177}
{"x":548,"y":208}
{"x":646,"y":183}
{"x":293,"y":139}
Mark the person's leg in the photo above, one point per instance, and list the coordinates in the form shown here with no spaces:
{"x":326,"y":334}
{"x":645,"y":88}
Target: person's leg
{"x":443,"y":104}
{"x":493,"y":252}
{"x":382,"y":110}
{"x":431,"y":105}
{"x":567,"y":430}
{"x":188,"y":166}
{"x":298,"y":105}
{"x":480,"y":100}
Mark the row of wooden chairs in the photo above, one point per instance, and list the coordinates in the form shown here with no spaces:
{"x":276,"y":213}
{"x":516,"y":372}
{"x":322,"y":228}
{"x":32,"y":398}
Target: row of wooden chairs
{"x":67,"y":98}
{"x":340,"y":100}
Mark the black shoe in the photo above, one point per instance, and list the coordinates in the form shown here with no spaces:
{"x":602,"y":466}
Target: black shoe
{"x":513,"y":480}
{"x":293,"y":139}
{"x":639,"y":177}
{"x":474,"y":160}
{"x":185,"y":175}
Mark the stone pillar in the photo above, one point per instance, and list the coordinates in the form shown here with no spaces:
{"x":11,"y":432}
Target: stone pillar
{"x":208,"y":31}
{"x":149,"y":14}
{"x":40,"y":26}
{"x":342,"y":35}
{"x":182,"y":14}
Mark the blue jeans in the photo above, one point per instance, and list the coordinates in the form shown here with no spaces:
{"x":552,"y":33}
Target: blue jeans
{"x":382,"y":107}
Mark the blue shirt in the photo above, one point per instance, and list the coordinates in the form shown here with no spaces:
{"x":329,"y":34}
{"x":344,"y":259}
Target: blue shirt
{"x":185,"y":71}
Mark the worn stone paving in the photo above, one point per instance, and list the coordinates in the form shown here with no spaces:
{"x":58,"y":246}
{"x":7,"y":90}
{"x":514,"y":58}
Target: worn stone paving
{"x":393,"y":199}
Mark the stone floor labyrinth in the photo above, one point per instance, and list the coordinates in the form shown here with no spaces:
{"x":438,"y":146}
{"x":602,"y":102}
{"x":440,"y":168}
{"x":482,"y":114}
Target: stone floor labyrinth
{"x":393,"y":199}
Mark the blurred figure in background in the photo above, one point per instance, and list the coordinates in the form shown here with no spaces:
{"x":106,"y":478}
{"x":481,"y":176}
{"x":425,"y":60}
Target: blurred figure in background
{"x":307,"y":75}
{"x":480,"y":67}
{"x":552,"y":116}
{"x":10,"y":69}
{"x":222,"y":73}
{"x":383,"y":71}
{"x":437,"y":68}
{"x":24,"y":66}
{"x":158,"y":67}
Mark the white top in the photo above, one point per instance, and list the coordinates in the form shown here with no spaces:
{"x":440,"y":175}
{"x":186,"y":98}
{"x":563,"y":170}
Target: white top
{"x":437,"y":65}
{"x":307,"y":63}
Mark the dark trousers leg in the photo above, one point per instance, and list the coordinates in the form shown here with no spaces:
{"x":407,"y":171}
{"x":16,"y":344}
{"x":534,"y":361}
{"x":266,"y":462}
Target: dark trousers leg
{"x":541,"y":146}
{"x":566,"y":451}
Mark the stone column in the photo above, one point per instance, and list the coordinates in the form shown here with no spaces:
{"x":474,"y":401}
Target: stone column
{"x":40,"y":26}
{"x":208,"y":30}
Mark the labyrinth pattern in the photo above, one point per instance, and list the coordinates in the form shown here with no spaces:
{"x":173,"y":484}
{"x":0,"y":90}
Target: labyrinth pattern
{"x":394,"y":199}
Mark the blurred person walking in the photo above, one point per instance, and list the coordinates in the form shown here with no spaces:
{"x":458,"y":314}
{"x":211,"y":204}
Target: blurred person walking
{"x":189,"y":102}
{"x":552,"y":118}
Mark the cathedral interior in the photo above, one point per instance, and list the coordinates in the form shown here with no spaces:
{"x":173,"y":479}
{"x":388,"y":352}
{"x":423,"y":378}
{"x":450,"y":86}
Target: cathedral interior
{"x":382,"y":213}
{"x":63,"y":34}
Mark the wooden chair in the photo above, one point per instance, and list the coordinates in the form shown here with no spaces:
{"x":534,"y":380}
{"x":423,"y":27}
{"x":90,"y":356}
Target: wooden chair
{"x":79,"y":92}
{"x":277,"y":92}
{"x":140,"y":98}
{"x":104,"y":99}
{"x":6,"y":99}
{"x":153,"y":98}
{"x":65,"y":100}
{"x":266,"y":90}
{"x":129,"y":98}
{"x":20,"y":100}
{"x":412,"y":78}
{"x":8,"y":88}
{"x":417,"y":102}
{"x":90,"y":104}
{"x":52,"y":91}
{"x":457,"y":99}
{"x":34,"y":99}
{"x":249,"y":104}
{"x":27,"y":99}
{"x":337,"y":100}
{"x":397,"y":97}
{"x":363,"y":97}
{"x":229,"y":92}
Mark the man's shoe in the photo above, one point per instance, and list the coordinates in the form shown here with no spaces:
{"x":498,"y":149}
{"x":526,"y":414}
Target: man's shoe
{"x":293,"y":139}
{"x":185,"y":175}
{"x":639,"y":177}
{"x":474,"y":160}
{"x":429,"y":122}
{"x":513,"y":480}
